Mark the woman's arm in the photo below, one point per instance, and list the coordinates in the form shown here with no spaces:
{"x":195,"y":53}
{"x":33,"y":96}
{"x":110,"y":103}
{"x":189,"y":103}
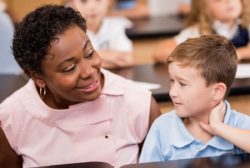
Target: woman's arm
{"x":8,"y":157}
{"x":154,"y":111}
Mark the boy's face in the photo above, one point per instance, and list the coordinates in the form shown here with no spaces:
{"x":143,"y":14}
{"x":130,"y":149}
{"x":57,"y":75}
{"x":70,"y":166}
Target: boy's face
{"x":71,"y":70}
{"x":225,"y":10}
{"x":189,"y":92}
{"x":92,"y":10}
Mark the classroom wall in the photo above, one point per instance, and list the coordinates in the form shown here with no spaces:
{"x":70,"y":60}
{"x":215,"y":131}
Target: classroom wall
{"x":19,"y":8}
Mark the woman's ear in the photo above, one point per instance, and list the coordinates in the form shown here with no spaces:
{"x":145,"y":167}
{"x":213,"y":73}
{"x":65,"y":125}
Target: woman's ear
{"x":219,"y":91}
{"x":38,"y":79}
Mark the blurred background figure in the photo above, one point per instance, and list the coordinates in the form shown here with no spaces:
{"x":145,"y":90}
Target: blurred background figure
{"x":138,"y":9}
{"x":8,"y":64}
{"x":229,"y":18}
{"x":107,"y":34}
{"x":168,"y":7}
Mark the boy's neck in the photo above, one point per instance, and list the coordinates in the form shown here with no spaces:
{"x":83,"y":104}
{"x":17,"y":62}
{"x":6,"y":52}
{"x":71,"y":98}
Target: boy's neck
{"x":193,"y":126}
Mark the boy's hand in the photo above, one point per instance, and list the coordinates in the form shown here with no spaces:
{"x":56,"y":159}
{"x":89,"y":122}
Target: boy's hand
{"x":215,"y":119}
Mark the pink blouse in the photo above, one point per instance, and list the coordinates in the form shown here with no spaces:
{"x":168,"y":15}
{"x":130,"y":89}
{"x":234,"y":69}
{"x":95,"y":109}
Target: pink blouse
{"x":107,"y":129}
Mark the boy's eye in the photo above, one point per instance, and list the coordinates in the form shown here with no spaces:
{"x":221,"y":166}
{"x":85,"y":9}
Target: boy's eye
{"x":182,"y":84}
{"x":69,"y":68}
{"x":83,"y":1}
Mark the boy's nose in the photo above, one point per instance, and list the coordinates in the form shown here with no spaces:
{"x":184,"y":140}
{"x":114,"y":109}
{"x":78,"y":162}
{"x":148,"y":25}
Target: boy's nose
{"x":172,"y":92}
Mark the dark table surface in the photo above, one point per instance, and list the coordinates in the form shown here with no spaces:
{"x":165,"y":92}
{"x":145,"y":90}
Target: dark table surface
{"x":156,"y":27}
{"x":225,"y":161}
{"x":81,"y":165}
{"x":145,"y":73}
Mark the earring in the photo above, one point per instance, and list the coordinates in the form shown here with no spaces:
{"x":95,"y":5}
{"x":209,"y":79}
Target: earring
{"x":42,"y":91}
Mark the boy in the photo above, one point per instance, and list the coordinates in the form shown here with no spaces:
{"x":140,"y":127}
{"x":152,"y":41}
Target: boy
{"x":107,"y":34}
{"x":201,"y":72}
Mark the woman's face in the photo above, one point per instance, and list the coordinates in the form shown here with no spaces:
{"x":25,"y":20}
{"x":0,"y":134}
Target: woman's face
{"x":225,"y":10}
{"x":71,"y":69}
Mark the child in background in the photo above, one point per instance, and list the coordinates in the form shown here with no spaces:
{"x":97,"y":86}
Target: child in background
{"x":201,"y":72}
{"x":70,"y":108}
{"x":132,"y":9}
{"x":139,"y":9}
{"x":107,"y":34}
{"x":229,"y":18}
{"x":8,"y":64}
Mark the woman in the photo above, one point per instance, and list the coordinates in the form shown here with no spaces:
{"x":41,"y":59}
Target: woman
{"x":71,"y":108}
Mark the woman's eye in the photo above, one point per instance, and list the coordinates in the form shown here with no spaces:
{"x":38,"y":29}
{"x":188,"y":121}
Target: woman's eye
{"x":69,"y":68}
{"x":89,"y":54}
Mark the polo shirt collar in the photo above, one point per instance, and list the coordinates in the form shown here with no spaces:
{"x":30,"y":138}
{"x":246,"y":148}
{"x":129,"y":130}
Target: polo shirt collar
{"x":181,"y":136}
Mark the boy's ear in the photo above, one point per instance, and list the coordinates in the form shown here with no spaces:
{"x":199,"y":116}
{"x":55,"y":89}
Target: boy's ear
{"x":38,"y":79}
{"x":219,"y":91}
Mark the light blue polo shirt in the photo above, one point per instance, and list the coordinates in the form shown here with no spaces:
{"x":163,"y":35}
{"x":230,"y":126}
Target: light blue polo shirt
{"x":168,"y":139}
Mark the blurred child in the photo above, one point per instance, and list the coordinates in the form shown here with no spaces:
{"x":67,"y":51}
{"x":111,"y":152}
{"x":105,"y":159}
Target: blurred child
{"x":201,"y":72}
{"x":229,"y":18}
{"x":107,"y":34}
{"x":138,"y":9}
{"x":8,"y":65}
{"x":168,"y":7}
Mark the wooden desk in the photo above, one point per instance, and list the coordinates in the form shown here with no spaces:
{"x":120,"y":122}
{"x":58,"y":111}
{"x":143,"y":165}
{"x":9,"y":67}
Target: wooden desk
{"x":225,"y":161}
{"x":155,"y":27}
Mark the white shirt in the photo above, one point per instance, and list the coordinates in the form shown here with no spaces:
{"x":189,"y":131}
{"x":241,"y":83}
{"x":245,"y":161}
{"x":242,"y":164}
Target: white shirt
{"x":111,"y":35}
{"x":219,"y":27}
{"x":165,"y":7}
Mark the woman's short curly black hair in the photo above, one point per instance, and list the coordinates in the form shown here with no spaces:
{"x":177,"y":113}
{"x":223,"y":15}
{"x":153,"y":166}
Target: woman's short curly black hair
{"x":34,"y":34}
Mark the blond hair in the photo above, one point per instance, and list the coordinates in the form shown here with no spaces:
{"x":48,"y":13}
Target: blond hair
{"x":200,"y":15}
{"x":213,"y":55}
